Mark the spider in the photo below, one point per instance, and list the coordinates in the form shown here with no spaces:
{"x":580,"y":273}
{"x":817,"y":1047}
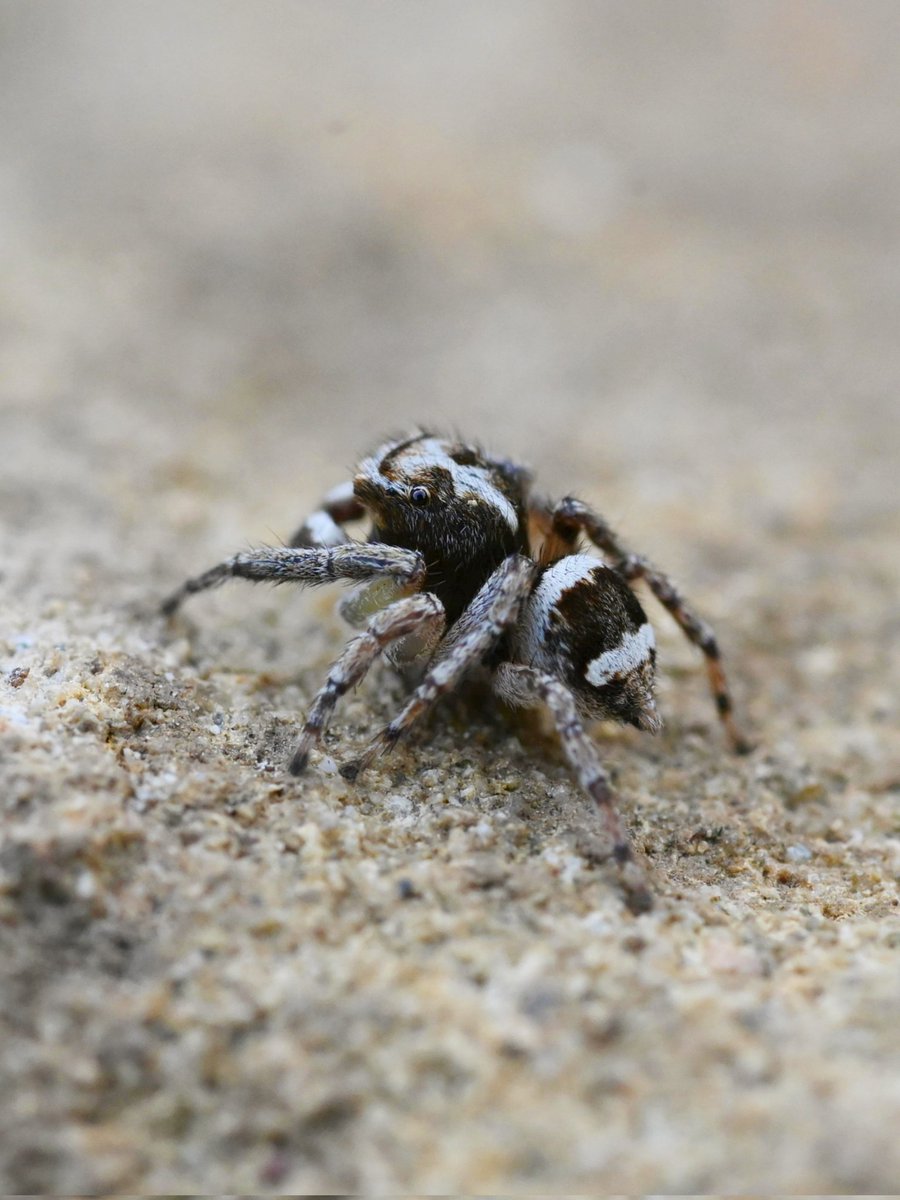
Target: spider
{"x":465,"y":566}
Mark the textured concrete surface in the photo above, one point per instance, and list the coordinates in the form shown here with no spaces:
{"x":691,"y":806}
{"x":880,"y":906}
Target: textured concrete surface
{"x":650,"y":248}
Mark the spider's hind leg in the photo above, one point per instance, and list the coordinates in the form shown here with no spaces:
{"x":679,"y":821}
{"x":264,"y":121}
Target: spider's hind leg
{"x":571,"y":517}
{"x":523,"y":686}
{"x":696,"y":630}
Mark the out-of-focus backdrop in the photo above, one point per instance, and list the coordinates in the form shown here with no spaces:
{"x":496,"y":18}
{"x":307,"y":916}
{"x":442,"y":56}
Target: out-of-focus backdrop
{"x":663,"y":233}
{"x":651,"y":248}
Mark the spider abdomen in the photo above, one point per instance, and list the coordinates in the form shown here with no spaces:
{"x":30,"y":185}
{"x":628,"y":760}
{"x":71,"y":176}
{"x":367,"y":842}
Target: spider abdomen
{"x":584,"y":624}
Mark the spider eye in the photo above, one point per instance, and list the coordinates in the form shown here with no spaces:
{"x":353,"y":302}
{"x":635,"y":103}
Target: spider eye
{"x":419,"y":495}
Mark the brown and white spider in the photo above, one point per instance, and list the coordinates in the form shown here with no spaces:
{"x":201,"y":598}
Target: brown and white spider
{"x":464,"y":566}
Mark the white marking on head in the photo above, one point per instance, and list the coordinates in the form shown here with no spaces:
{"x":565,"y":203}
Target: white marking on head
{"x":475,"y":482}
{"x":633,"y":650}
{"x":471,"y":481}
{"x":370,"y":468}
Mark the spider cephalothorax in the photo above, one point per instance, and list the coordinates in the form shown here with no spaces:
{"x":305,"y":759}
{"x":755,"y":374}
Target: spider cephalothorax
{"x":464,"y":566}
{"x":462,"y":511}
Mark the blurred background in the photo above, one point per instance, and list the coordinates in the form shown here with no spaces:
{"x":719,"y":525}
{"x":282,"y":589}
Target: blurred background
{"x":651,"y":248}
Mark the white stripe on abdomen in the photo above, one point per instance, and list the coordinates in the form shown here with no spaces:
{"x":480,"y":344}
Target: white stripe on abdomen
{"x":633,"y":650}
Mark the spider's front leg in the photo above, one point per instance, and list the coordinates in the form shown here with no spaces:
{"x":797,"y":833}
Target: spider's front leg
{"x":523,"y":686}
{"x":421,"y":615}
{"x":571,"y":517}
{"x":311,"y":565}
{"x":494,"y":609}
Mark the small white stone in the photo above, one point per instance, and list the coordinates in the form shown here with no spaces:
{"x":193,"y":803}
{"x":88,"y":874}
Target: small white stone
{"x":798,"y":853}
{"x":85,"y":885}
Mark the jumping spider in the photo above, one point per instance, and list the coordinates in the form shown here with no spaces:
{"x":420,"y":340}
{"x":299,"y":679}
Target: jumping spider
{"x":464,"y":566}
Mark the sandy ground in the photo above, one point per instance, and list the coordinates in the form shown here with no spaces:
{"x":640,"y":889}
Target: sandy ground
{"x":651,"y":249}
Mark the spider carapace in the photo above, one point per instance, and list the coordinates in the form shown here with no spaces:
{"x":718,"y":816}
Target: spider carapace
{"x":464,"y":565}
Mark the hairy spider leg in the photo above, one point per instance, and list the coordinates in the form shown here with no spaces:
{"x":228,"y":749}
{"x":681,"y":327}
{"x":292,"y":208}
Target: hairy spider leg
{"x":570,"y":517}
{"x":494,"y":609}
{"x":421,"y":614}
{"x":525,"y":687}
{"x":307,"y":565}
